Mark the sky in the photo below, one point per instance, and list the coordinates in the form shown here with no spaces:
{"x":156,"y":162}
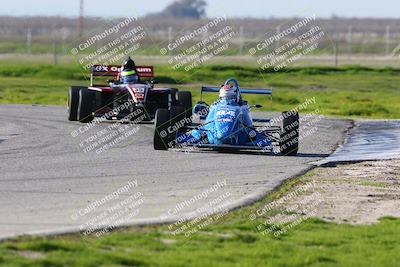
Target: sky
{"x":231,"y":8}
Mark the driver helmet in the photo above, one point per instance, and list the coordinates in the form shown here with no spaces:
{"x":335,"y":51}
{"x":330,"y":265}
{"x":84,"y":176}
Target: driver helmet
{"x":228,"y":92}
{"x":128,"y":72}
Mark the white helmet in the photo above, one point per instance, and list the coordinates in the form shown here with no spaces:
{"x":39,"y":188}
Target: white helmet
{"x":228,"y":92}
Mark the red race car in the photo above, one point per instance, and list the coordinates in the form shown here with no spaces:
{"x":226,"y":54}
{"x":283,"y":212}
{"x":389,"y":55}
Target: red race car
{"x":129,"y":94}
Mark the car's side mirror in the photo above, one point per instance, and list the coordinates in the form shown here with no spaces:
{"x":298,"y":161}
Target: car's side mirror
{"x":154,"y":82}
{"x":257,"y":106}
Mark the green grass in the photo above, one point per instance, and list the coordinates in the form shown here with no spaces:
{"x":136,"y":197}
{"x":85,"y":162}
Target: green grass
{"x":21,"y":48}
{"x":346,"y":91}
{"x":48,"y":48}
{"x":374,"y":184}
{"x":232,"y":241}
{"x":377,"y":47}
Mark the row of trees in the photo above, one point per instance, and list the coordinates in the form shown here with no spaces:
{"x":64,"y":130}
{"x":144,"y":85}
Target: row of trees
{"x":185,"y":9}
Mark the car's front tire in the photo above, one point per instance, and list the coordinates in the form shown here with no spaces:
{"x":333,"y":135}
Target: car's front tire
{"x":161,"y":136}
{"x":86,"y":105}
{"x":184,"y":99}
{"x":289,"y":140}
{"x":73,"y":102}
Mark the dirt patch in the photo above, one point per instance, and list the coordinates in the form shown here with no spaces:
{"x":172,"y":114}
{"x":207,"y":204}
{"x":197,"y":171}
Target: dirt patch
{"x":168,"y":241}
{"x":31,"y":254}
{"x":359,"y":193}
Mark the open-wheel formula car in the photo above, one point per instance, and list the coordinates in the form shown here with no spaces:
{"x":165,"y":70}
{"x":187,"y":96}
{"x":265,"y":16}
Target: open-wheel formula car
{"x":227,"y":125}
{"x":131,"y":90}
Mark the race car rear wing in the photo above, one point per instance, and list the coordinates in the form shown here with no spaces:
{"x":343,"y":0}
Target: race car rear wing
{"x":114,"y":70}
{"x":242,"y":91}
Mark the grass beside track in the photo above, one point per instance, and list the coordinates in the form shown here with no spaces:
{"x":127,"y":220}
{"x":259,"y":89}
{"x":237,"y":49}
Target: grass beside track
{"x":232,"y":241}
{"x":351,"y":91}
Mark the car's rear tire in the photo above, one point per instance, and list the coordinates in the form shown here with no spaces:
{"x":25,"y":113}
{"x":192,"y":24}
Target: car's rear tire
{"x":73,"y":102}
{"x":184,"y":99}
{"x":289,"y":140}
{"x":86,"y":105}
{"x":161,"y":136}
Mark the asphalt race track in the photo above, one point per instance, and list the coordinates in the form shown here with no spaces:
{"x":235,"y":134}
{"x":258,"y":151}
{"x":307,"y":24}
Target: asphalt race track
{"x":49,"y":184}
{"x":370,"y":140}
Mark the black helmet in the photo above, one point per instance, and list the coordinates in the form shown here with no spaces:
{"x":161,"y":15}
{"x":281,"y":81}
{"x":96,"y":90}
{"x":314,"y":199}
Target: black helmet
{"x":129,"y":64}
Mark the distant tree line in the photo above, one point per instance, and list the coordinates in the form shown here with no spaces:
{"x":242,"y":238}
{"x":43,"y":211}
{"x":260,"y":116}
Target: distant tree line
{"x":185,"y":9}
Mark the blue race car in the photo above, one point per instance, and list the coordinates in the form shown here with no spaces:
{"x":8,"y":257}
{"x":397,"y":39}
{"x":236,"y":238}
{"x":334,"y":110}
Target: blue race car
{"x":226,"y":125}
